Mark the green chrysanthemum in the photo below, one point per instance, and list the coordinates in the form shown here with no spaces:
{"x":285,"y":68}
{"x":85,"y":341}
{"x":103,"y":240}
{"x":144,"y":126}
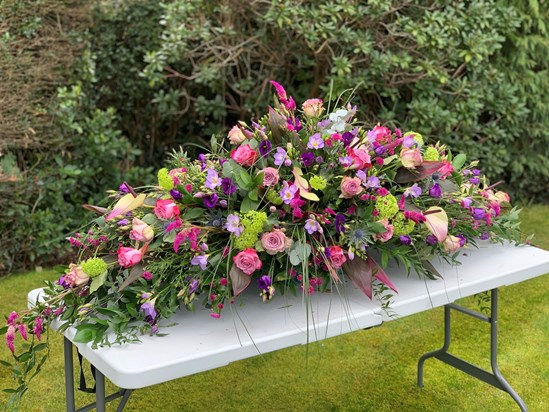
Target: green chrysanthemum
{"x":252,"y":222}
{"x":431,"y":154}
{"x":274,"y":197}
{"x":94,"y":267}
{"x":165,"y":181}
{"x":387,"y":206}
{"x":417,"y":137}
{"x":402,"y":226}
{"x":318,"y":182}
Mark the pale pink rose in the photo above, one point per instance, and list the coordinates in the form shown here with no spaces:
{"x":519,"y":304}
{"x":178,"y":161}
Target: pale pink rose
{"x":247,"y":261}
{"x":141,"y":231}
{"x":270,"y":176}
{"x":361,"y":159}
{"x":337,"y":256}
{"x":236,"y":136}
{"x":451,"y":244}
{"x":446,"y":169}
{"x":410,"y":158}
{"x":275,"y":242}
{"x":128,"y":256}
{"x":76,"y":276}
{"x":166,"y":209}
{"x":350,"y":186}
{"x":498,"y":197}
{"x":312,"y":107}
{"x":244,"y":155}
{"x":388,"y":234}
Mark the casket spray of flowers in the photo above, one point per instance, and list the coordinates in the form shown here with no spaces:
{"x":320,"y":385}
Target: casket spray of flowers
{"x":296,"y":202}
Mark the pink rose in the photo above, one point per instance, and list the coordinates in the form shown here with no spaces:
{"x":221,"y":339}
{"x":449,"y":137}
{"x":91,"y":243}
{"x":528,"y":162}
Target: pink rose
{"x":270,"y":176}
{"x":76,"y":276}
{"x":128,"y":256}
{"x":236,"y":136}
{"x":244,"y":155}
{"x":410,"y":158}
{"x":361,"y":159}
{"x":247,"y":261}
{"x":337,"y":256}
{"x":312,"y":107}
{"x":350,"y":186}
{"x":166,"y":209}
{"x":275,"y":242}
{"x":388,"y":234}
{"x":446,"y":169}
{"x":141,"y":231}
{"x":451,"y":244}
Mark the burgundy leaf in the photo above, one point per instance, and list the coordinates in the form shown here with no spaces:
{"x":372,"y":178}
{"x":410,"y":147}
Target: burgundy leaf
{"x":239,"y":280}
{"x":360,"y":273}
{"x":426,"y":169}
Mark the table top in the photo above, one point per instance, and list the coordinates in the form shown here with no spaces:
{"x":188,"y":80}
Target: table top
{"x":250,"y":327}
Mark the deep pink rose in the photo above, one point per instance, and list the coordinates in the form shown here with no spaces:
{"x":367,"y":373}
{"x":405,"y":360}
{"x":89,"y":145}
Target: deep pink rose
{"x":247,"y":261}
{"x":141,"y":231}
{"x":244,"y":155}
{"x":166,"y":209}
{"x":350,"y":186}
{"x":337,"y":256}
{"x":446,"y":169}
{"x":275,"y":242}
{"x":361,"y":159}
{"x":128,"y":256}
{"x":270,"y":176}
{"x":410,"y":158}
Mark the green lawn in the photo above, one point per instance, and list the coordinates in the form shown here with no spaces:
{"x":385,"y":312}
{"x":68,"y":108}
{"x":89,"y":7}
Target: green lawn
{"x":372,"y":370}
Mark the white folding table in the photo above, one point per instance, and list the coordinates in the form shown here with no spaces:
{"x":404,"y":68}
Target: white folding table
{"x":249,"y":327}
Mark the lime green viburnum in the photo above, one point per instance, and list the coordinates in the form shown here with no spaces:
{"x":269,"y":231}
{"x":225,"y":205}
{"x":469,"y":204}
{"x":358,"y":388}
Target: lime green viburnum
{"x":318,"y":182}
{"x":165,"y":181}
{"x":252,"y":222}
{"x":387,"y":206}
{"x":431,"y":154}
{"x":94,"y":267}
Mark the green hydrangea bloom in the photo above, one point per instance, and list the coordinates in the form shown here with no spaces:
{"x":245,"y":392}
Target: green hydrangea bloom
{"x":165,"y":181}
{"x":431,"y":154}
{"x":318,"y":182}
{"x":94,"y":267}
{"x":401,"y":225}
{"x":252,"y":222}
{"x":417,"y":137}
{"x":274,"y":197}
{"x":387,"y":206}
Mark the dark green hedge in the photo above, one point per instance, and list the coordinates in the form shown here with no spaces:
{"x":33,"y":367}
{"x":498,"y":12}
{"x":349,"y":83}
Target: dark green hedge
{"x":150,"y":78}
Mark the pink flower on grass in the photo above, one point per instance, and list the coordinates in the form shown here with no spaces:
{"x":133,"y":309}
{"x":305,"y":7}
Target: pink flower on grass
{"x":247,"y":261}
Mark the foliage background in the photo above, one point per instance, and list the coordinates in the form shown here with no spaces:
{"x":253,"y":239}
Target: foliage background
{"x":95,"y":93}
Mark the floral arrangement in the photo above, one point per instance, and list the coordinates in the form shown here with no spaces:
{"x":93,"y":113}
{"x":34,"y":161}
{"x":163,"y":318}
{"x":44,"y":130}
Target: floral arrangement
{"x":293,"y":203}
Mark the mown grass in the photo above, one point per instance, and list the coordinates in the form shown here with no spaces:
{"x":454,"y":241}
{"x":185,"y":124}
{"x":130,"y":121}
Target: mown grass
{"x":371,"y":370}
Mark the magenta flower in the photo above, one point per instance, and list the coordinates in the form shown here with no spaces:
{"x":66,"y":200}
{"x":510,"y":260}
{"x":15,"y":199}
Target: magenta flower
{"x":38,"y":328}
{"x":10,"y":338}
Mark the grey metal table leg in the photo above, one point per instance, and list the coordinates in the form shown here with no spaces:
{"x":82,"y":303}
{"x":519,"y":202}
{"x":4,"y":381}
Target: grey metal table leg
{"x":495,"y":378}
{"x":100,"y":401}
{"x":69,"y":375}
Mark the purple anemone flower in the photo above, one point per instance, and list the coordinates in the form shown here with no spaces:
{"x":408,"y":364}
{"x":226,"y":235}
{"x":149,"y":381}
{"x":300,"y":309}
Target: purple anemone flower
{"x":210,"y":200}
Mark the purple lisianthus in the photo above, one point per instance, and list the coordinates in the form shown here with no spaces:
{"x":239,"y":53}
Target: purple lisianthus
{"x":315,"y":141}
{"x":485,"y":236}
{"x":308,"y":158}
{"x":148,"y":308}
{"x":264,"y":148}
{"x":380,"y":150}
{"x":123,"y":222}
{"x":200,"y":260}
{"x":435,"y":191}
{"x":210,"y":200}
{"x":264,"y":282}
{"x":233,"y":225}
{"x":414,"y":191}
{"x":408,"y":141}
{"x":280,"y":156}
{"x":431,"y":240}
{"x":319,"y":160}
{"x":193,"y":287}
{"x":476,"y":172}
{"x":228,"y":186}
{"x":347,"y":138}
{"x":462,"y":240}
{"x":474,"y":180}
{"x":466,"y":202}
{"x":174,"y":193}
{"x":123,"y":188}
{"x":478,"y":213}
{"x":339,"y":223}
{"x":405,"y":239}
